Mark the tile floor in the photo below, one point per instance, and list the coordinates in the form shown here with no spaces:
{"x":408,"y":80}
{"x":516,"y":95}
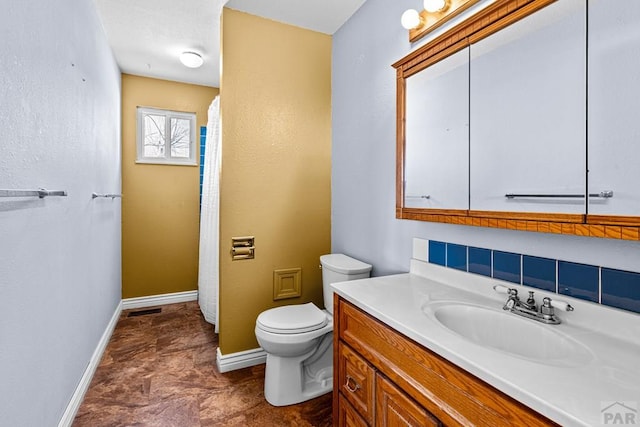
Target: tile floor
{"x":159,"y":370}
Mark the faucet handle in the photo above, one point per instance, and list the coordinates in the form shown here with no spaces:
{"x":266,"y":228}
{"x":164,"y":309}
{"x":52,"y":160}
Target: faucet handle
{"x":548,"y":305}
{"x":504,"y":290}
{"x":531,"y":302}
{"x":560,"y":305}
{"x":512,"y":301}
{"x":546,"y":308}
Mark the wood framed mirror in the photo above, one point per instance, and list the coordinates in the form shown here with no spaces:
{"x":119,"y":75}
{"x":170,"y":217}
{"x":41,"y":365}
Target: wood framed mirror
{"x":498,"y":102}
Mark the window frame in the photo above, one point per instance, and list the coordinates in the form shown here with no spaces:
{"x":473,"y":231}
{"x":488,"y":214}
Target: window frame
{"x":141,"y":112}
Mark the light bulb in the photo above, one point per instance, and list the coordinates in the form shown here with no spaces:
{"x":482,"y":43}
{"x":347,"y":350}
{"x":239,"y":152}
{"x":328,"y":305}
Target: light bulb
{"x":434,"y":5}
{"x":410,"y":19}
{"x":191,"y":59}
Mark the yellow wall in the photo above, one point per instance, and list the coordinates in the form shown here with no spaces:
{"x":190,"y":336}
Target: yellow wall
{"x":160,"y":205}
{"x":276,"y":165}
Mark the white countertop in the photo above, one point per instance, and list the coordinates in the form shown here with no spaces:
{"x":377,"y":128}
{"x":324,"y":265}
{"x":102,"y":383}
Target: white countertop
{"x":572,"y":393}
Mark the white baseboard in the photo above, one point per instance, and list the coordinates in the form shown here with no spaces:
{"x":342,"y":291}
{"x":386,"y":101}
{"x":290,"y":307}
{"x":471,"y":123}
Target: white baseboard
{"x":241,"y":359}
{"x":87,"y":376}
{"x":162,"y":299}
{"x":129,"y":303}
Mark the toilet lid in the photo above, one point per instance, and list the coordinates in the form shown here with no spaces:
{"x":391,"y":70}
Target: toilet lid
{"x":292,"y":319}
{"x":343,"y":264}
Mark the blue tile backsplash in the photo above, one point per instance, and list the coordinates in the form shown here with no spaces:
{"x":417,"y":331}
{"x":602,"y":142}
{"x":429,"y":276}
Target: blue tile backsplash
{"x":615,"y":288}
{"x":457,"y":256}
{"x":480,"y":261}
{"x":539,"y":272}
{"x":621,"y":289}
{"x":506,"y":266}
{"x":578,"y":280}
{"x":437,"y":252}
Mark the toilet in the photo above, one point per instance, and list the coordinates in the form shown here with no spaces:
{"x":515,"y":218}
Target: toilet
{"x":298,"y":339}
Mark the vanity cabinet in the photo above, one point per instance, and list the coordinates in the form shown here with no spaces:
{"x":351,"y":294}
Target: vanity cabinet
{"x":348,"y":416}
{"x":395,"y":408}
{"x":383,"y":378}
{"x":614,"y":103}
{"x":357,"y":381}
{"x":367,"y":392}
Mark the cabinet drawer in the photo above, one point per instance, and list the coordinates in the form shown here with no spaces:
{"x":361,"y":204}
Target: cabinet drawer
{"x":395,"y":408}
{"x":450,"y":393}
{"x":356,"y":379}
{"x":348,"y":416}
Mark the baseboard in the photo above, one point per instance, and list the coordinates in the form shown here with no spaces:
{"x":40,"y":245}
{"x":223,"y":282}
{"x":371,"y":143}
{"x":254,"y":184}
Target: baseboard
{"x":129,"y":303}
{"x":239,"y":360}
{"x":162,"y":299}
{"x":87,"y":376}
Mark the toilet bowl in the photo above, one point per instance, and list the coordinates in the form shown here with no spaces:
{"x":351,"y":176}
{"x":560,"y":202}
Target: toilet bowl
{"x":298,"y":339}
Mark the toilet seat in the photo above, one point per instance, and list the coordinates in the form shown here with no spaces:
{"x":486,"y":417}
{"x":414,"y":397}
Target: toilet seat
{"x":292,"y":319}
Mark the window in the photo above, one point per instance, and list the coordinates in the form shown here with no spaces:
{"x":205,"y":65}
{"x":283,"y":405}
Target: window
{"x":167,"y":137}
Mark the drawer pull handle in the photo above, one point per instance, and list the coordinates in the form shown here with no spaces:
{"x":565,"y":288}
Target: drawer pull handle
{"x":354,"y":388}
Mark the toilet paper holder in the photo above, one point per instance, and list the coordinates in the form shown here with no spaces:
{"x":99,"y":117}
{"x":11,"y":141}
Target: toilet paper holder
{"x":242,"y":248}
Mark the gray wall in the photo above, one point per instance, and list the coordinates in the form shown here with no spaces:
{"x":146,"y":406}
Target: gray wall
{"x":60,"y":256}
{"x":363,"y":157}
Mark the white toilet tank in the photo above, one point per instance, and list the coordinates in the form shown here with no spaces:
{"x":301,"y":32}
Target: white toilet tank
{"x":340,"y":268}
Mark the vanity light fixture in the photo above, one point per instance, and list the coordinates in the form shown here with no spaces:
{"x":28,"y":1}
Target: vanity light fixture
{"x":434,"y":14}
{"x":191,"y":59}
{"x":411,"y":19}
{"x":434,"y":5}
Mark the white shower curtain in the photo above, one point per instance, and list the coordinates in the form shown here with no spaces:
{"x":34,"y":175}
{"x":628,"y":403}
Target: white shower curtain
{"x":208,"y":271}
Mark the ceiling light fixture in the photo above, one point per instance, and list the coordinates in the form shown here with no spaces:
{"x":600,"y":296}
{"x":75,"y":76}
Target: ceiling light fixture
{"x":191,"y":59}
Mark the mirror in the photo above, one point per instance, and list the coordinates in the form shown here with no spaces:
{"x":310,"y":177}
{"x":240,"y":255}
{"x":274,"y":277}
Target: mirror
{"x":437,"y":135}
{"x":528,"y":114}
{"x":614,"y":102}
{"x":526,"y":124}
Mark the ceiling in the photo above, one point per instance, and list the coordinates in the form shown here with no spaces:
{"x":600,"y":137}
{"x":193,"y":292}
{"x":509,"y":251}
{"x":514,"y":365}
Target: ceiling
{"x":147,"y":36}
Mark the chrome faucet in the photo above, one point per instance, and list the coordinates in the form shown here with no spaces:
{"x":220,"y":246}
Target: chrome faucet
{"x":512,"y":301}
{"x":529,"y":309}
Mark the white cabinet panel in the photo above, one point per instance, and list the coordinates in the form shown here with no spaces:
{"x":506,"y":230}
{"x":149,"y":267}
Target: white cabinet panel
{"x":614,"y":106}
{"x":437,"y":135}
{"x":528,"y":115}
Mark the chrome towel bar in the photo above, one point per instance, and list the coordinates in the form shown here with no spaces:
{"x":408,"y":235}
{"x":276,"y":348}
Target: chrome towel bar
{"x":112,"y":196}
{"x":602,"y":195}
{"x":41,"y":193}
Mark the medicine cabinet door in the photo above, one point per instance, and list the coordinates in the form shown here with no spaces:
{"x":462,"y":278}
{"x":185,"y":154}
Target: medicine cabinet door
{"x":614,"y":106}
{"x":436,"y":169}
{"x":527,"y":114}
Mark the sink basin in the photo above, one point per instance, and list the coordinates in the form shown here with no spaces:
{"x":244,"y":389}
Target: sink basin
{"x":511,"y":334}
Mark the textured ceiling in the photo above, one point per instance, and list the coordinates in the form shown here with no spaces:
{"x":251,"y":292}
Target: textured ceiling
{"x":324,"y":16}
{"x":147,"y":36}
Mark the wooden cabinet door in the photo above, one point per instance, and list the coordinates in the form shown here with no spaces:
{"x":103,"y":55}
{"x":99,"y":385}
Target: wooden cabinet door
{"x":395,"y":409}
{"x":356,"y":381}
{"x":348,"y":416}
